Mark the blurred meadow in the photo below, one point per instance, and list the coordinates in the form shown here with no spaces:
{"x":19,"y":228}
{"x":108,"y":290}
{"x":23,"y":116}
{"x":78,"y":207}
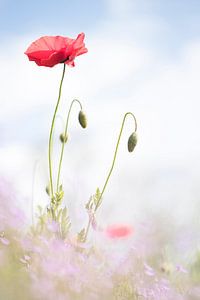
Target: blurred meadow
{"x":143,"y":56}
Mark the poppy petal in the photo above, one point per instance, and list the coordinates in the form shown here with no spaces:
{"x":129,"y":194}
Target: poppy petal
{"x":51,"y":50}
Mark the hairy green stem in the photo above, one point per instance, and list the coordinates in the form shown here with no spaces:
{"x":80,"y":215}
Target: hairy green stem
{"x":51,"y":133}
{"x":63,"y":144}
{"x":111,"y":169}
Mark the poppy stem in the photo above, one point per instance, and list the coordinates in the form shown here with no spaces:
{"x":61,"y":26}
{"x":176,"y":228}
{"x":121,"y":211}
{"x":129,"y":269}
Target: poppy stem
{"x":63,"y":143}
{"x":111,"y":168}
{"x":51,"y":134}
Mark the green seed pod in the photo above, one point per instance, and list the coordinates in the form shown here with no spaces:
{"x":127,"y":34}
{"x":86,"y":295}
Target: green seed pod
{"x":82,"y":119}
{"x":63,"y":138}
{"x":47,"y":189}
{"x":132,"y":142}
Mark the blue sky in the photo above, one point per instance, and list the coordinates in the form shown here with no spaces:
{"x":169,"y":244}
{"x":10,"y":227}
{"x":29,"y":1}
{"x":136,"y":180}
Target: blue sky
{"x":22,"y":17}
{"x":180,"y":17}
{"x":143,"y":56}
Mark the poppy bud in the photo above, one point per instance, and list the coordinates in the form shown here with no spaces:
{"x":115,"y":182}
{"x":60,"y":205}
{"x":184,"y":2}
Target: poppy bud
{"x":63,"y":138}
{"x":47,"y":189}
{"x":132,"y":141}
{"x":82,"y":119}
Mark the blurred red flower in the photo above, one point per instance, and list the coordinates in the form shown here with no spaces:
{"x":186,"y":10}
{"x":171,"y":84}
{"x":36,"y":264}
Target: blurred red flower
{"x":118,"y":231}
{"x":49,"y":51}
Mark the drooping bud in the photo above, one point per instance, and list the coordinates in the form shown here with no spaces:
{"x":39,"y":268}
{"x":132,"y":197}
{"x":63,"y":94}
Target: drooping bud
{"x":47,"y":189}
{"x":82,"y":119}
{"x":63,"y":138}
{"x":132,"y":142}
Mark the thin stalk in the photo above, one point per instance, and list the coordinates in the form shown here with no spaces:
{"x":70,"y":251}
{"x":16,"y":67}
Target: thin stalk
{"x":51,"y":133}
{"x":63,"y":144}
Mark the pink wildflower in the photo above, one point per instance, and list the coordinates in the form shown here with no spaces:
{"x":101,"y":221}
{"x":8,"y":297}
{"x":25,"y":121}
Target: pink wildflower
{"x":4,"y":241}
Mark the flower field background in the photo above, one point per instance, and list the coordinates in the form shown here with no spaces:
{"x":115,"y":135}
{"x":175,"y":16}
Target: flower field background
{"x":143,"y":57}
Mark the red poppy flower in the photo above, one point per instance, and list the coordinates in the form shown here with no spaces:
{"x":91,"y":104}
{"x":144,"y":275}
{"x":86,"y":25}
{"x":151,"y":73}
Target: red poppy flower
{"x":49,"y":51}
{"x":118,"y":231}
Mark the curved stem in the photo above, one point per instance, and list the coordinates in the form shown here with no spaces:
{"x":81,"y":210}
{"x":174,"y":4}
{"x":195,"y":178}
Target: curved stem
{"x":115,"y":155}
{"x":63,"y":144}
{"x":51,"y":133}
{"x":112,"y":166}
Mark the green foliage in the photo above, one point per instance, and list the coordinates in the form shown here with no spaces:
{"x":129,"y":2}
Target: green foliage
{"x":64,"y":223}
{"x":81,"y":236}
{"x":97,"y":198}
{"x":195,"y":268}
{"x":42,"y":217}
{"x":57,"y":198}
{"x":125,"y":291}
{"x":46,"y":216}
{"x":94,"y":201}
